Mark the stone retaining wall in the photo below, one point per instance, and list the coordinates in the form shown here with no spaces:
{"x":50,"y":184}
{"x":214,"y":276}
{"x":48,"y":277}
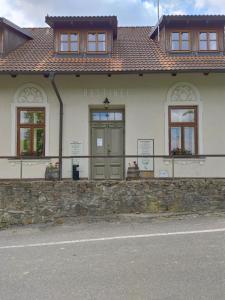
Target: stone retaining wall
{"x":28,"y":202}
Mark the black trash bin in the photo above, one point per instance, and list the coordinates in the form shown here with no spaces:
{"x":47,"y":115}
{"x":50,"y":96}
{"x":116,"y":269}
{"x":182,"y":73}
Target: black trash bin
{"x":76,"y":173}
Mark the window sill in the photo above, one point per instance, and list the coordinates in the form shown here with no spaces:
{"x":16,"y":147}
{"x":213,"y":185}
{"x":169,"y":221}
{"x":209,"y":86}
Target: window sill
{"x":185,"y":161}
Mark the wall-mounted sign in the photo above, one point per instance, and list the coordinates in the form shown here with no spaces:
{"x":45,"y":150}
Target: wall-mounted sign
{"x":145,"y":147}
{"x":76,"y":149}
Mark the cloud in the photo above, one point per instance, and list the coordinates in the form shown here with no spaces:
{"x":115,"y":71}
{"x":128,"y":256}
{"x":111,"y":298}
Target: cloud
{"x":28,"y":13}
{"x":211,"y":6}
{"x":32,"y":12}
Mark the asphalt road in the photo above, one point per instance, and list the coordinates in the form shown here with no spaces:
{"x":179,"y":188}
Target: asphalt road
{"x":121,"y":260}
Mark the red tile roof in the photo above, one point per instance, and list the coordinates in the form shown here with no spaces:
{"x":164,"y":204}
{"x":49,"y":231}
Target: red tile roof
{"x":133,"y":51}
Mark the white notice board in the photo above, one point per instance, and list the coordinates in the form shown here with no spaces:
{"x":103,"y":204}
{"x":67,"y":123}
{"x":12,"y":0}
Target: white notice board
{"x":145,"y":147}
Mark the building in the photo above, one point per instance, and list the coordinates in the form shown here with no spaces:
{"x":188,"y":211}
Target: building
{"x":83,"y":86}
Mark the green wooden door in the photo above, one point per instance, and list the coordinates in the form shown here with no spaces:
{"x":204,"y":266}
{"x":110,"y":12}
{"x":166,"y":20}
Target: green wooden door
{"x":107,"y":138}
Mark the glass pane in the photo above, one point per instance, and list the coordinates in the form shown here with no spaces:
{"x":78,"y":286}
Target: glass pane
{"x":25,"y":141}
{"x":203,"y":45}
{"x":175,"y":36}
{"x":92,"y":46}
{"x":26,"y":117}
{"x":39,"y":117}
{"x":185,"y":36}
{"x":189,"y":140}
{"x":176,"y":140}
{"x":183,"y":115}
{"x":64,"y":47}
{"x":101,"y":46}
{"x":95,"y":116}
{"x":64,"y":37}
{"x":203,"y":36}
{"x":111,"y":116}
{"x":185,"y":45}
{"x":74,"y":37}
{"x":213,"y":36}
{"x":104,"y":116}
{"x":101,"y":37}
{"x":175,"y":45}
{"x":213,"y":45}
{"x":39,"y":139}
{"x":92,"y":37}
{"x":74,"y":47}
{"x":118,"y":116}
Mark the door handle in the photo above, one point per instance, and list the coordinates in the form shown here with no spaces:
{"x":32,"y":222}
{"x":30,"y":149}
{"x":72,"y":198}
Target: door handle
{"x":109,"y":151}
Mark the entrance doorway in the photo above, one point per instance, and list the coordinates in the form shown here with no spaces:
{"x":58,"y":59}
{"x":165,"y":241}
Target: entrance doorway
{"x":107,"y":138}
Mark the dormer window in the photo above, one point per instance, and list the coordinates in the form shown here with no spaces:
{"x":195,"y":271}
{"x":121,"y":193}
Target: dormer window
{"x":96,"y":42}
{"x":208,"y":41}
{"x":69,"y":42}
{"x":180,"y":41}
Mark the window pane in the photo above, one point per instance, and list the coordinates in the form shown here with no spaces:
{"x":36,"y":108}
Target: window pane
{"x":213,"y":36}
{"x":111,"y":116}
{"x":74,"y":47}
{"x":74,"y":37}
{"x":26,"y":117}
{"x":104,"y":116}
{"x":203,"y":36}
{"x":64,"y":47}
{"x":101,"y":46}
{"x":39,"y":137}
{"x":101,"y":37}
{"x":95,"y":116}
{"x":25,"y":148}
{"x":185,"y":36}
{"x":185,"y":45}
{"x":189,"y":140}
{"x":203,"y":45}
{"x":39,"y":117}
{"x":183,"y":115}
{"x":92,"y":47}
{"x":64,"y":37}
{"x":92,"y":37}
{"x":118,"y":116}
{"x":175,"y":139}
{"x":175,"y":36}
{"x":213,"y":45}
{"x":175,"y":45}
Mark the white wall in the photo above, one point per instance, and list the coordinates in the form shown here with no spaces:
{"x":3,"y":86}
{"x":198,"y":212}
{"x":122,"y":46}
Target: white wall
{"x":145,"y":102}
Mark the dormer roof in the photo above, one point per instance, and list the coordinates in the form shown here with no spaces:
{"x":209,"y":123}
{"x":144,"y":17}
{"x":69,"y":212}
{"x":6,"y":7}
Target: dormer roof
{"x":100,"y":22}
{"x":184,"y":20}
{"x":16,"y":28}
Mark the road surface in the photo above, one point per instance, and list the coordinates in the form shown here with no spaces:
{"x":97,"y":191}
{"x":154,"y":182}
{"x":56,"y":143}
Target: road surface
{"x":175,"y":258}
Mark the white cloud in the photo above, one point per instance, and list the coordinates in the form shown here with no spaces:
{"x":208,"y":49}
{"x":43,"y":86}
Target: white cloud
{"x":211,"y":6}
{"x":33,"y":12}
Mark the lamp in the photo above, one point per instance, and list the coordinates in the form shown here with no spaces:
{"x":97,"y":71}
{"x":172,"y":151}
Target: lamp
{"x":106,"y":103}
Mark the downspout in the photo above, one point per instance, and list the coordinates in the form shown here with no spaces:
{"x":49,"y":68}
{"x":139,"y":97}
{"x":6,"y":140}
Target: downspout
{"x":52,"y":78}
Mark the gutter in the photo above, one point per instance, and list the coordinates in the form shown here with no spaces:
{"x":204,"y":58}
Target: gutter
{"x":55,"y":88}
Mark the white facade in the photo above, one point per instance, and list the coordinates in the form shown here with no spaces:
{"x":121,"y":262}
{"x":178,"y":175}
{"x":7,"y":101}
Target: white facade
{"x":145,"y":101}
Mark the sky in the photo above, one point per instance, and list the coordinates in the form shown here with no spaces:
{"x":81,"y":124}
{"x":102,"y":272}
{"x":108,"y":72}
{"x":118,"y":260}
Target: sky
{"x":31,"y":13}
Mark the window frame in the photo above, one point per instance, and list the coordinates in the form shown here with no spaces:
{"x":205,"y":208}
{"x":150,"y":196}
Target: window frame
{"x":182,"y":125}
{"x":208,"y":40}
{"x":97,"y":32}
{"x":32,"y":127}
{"x":180,"y":40}
{"x":69,"y":32}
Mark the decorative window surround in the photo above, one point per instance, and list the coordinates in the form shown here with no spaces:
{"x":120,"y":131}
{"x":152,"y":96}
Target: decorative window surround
{"x":29,"y":95}
{"x":184,"y":93}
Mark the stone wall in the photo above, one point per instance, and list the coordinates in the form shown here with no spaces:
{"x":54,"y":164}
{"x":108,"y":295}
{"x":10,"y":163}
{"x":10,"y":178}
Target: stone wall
{"x":28,"y":202}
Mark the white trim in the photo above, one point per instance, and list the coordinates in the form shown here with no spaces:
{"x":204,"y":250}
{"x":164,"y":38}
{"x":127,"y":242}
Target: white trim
{"x":196,"y":100}
{"x":17,"y":104}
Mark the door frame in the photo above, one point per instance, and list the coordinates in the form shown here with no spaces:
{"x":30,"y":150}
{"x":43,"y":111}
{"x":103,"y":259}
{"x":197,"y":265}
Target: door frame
{"x":101,"y":108}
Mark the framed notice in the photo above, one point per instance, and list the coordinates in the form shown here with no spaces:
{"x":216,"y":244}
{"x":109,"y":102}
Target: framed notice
{"x":76,"y":149}
{"x":145,"y":147}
